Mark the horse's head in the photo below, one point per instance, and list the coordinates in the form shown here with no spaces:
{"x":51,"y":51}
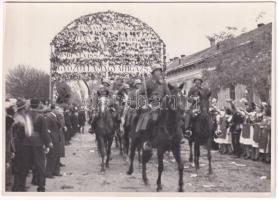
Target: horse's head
{"x":204,"y":100}
{"x":103,"y":102}
{"x":175,"y":100}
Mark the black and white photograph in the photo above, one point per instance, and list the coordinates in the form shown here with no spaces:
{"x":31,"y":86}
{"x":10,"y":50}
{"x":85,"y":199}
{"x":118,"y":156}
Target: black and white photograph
{"x":138,"y":98}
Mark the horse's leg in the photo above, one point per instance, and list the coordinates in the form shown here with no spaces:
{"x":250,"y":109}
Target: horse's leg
{"x":160,"y":153}
{"x":147,"y":154}
{"x":177,"y":154}
{"x":196,"y":154}
{"x":109,"y":144}
{"x":121,"y":146}
{"x":126,"y":139}
{"x":139,"y":154}
{"x":190,"y":148}
{"x":131,"y":157}
{"x":101,"y":147}
{"x":120,"y":142}
{"x":209,"y":143}
{"x":116,"y":140}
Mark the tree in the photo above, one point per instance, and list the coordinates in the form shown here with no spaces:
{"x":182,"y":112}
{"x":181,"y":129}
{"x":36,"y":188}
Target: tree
{"x":27,"y":82}
{"x":249,"y":64}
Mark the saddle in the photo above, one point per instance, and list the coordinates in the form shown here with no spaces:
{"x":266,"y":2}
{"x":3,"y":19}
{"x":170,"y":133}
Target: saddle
{"x":146,"y":119}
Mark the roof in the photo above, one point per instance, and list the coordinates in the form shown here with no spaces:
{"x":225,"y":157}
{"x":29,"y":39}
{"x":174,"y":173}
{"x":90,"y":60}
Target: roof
{"x":240,"y":40}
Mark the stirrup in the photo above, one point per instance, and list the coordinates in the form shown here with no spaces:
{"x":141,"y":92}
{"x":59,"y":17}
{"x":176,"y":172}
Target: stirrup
{"x":147,"y":146}
{"x":188,"y":133}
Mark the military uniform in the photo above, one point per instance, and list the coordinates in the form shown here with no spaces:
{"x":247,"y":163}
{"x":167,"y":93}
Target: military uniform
{"x":197,"y":96}
{"x":155,"y":91}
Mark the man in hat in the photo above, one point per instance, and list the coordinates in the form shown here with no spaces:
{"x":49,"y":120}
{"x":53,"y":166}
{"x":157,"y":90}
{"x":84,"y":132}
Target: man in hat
{"x":18,"y":129}
{"x":153,"y":92}
{"x":36,"y":144}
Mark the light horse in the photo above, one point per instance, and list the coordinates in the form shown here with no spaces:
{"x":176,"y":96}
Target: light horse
{"x":105,"y":130}
{"x":165,"y":135}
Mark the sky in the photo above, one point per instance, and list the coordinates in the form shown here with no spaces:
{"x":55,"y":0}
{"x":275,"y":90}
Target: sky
{"x":30,"y":27}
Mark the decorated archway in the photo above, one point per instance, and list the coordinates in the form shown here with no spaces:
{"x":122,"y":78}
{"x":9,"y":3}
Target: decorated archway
{"x":104,"y":44}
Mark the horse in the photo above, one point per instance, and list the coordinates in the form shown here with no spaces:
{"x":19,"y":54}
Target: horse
{"x":134,"y":141}
{"x":202,"y":130}
{"x":165,"y":135}
{"x":104,"y":131}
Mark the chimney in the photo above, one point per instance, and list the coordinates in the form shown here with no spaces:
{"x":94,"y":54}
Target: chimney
{"x":260,"y":24}
{"x":182,"y":56}
{"x":212,"y":41}
{"x":179,"y":61}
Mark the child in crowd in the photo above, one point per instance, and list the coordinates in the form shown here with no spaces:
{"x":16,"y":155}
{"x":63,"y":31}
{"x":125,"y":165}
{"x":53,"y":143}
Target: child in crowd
{"x":224,"y":138}
{"x":264,"y":143}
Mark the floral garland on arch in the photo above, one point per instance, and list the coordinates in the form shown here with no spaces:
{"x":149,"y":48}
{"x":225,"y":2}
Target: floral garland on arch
{"x":120,"y":43}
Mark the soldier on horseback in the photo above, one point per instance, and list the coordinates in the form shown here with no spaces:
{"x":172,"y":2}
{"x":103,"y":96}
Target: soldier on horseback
{"x":103,"y":91}
{"x":153,"y":91}
{"x":133,"y":102}
{"x":194,"y":95}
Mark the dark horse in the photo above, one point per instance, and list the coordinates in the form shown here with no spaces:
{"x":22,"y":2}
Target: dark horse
{"x":105,"y":130}
{"x":202,"y":129}
{"x":165,"y":135}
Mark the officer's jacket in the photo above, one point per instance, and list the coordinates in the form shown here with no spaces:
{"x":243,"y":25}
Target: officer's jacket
{"x":155,"y":90}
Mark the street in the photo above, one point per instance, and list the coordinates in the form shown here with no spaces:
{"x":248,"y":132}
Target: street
{"x":82,"y":172}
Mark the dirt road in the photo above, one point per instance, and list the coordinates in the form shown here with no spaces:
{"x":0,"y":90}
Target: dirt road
{"x":82,"y":173}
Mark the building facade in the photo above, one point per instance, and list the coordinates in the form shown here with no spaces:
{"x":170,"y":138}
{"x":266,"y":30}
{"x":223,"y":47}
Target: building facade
{"x":186,"y":68}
